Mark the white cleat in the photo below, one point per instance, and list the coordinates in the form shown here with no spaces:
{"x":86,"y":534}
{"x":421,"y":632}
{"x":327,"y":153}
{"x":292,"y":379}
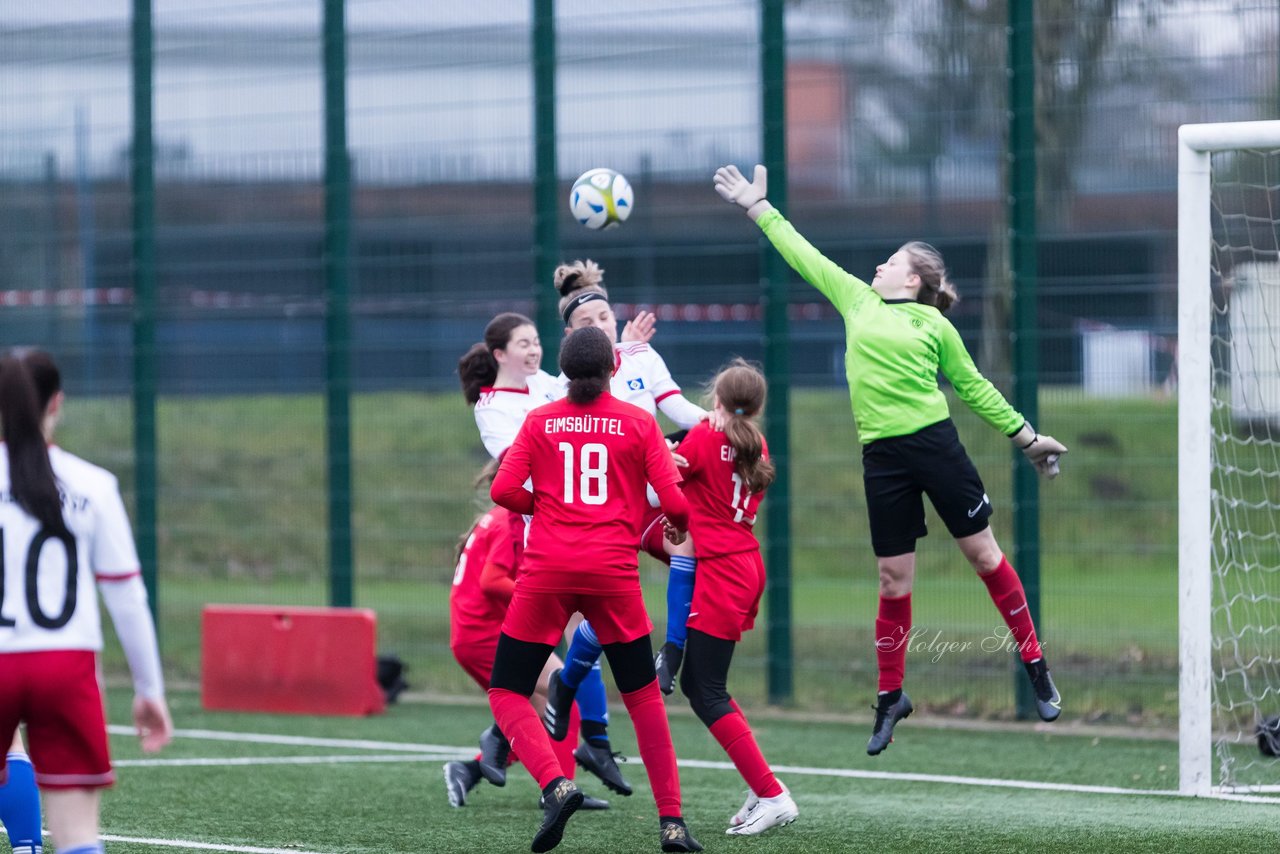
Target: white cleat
{"x":777,"y":811}
{"x":741,"y":815}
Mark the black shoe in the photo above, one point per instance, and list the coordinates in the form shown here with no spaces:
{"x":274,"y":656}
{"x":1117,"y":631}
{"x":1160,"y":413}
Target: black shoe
{"x":494,"y":751}
{"x":555,"y":717}
{"x":676,"y":837}
{"x":601,"y":762}
{"x":588,"y":803}
{"x":560,"y":800}
{"x":1048,"y":701}
{"x":667,"y":663}
{"x":459,"y":779}
{"x":890,"y":707}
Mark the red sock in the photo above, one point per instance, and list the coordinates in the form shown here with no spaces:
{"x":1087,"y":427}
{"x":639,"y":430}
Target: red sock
{"x":1006,"y":591}
{"x":735,"y":736}
{"x":519,"y":723}
{"x":564,"y":749}
{"x":893,"y":626}
{"x":653,"y":734}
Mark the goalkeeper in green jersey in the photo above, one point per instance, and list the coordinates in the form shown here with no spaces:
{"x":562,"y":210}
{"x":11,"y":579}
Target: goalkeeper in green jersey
{"x":897,"y":341}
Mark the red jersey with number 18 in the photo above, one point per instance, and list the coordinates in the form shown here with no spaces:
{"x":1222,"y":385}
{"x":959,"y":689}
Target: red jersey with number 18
{"x":722,"y":511}
{"x":589,"y":464}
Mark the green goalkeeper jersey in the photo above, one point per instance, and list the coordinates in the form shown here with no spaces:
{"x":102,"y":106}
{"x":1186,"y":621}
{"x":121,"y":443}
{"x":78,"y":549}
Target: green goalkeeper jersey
{"x":894,"y":349}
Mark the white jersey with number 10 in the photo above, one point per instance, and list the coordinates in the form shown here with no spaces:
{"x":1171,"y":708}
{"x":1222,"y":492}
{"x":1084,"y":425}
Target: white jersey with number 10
{"x":48,"y":597}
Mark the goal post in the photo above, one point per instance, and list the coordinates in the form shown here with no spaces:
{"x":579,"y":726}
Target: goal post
{"x":1204,"y":528}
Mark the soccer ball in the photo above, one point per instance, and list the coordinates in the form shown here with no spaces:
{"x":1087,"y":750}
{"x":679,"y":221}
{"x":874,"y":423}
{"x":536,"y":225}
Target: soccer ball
{"x":601,"y":198}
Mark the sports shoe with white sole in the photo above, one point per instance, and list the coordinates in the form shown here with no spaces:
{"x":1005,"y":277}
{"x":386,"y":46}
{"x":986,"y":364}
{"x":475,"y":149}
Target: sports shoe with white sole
{"x":459,"y":779}
{"x":749,"y":804}
{"x":1048,"y":700}
{"x":778,"y":811}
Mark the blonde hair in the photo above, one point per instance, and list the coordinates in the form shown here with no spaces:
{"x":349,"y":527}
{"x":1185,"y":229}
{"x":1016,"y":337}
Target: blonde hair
{"x":936,"y":288}
{"x":581,"y":275}
{"x":741,"y":389}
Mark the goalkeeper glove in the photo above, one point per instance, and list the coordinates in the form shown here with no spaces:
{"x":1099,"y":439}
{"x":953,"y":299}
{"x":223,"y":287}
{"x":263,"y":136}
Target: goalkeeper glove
{"x":734,"y":187}
{"x":1042,"y":451}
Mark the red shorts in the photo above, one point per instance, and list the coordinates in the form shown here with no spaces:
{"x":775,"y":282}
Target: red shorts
{"x":475,"y":653}
{"x":58,"y":695}
{"x":653,"y":539}
{"x":536,"y":616}
{"x":726,"y":594}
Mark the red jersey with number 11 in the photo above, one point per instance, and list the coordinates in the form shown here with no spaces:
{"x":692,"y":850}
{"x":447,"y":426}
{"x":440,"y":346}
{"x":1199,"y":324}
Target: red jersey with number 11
{"x":722,"y":511}
{"x":589,"y":464}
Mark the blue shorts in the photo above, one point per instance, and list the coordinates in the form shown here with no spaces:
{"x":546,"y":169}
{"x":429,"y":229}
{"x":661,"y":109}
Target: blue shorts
{"x":899,"y":470}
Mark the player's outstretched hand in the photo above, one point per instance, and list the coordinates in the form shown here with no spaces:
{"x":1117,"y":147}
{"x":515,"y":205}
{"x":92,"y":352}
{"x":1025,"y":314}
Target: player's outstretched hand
{"x":1044,"y":452}
{"x":641,"y":327}
{"x":151,"y":718}
{"x":734,"y":187}
{"x":674,"y":535}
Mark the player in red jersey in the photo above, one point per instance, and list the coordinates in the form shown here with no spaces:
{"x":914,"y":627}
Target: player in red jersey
{"x":725,"y":476}
{"x":65,"y":534}
{"x":483,"y":582}
{"x":589,"y":458}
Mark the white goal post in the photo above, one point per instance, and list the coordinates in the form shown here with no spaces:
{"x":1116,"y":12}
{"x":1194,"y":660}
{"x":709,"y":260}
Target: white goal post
{"x":1196,"y":728}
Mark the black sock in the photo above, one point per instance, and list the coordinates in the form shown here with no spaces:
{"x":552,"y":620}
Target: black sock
{"x":595,"y":733}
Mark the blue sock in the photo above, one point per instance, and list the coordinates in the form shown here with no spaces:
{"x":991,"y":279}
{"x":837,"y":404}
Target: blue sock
{"x":593,"y":705}
{"x":20,"y":805}
{"x":679,"y":598}
{"x":583,"y":654}
{"x":93,"y":848}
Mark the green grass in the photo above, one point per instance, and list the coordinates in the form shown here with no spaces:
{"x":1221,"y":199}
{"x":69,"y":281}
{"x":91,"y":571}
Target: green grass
{"x":242,"y":519}
{"x":400,"y":806}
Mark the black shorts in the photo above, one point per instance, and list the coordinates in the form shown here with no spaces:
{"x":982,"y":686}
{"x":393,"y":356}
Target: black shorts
{"x":898,"y":470}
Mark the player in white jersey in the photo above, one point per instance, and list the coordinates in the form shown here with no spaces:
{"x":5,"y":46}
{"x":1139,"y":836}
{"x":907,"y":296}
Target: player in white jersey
{"x":65,"y":532}
{"x":503,"y":379}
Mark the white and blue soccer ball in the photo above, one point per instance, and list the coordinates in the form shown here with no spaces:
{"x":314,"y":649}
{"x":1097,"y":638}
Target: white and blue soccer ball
{"x":601,"y":198}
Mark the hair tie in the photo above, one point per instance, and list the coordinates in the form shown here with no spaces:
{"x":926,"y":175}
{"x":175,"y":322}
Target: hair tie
{"x":579,"y":299}
{"x":738,"y":411}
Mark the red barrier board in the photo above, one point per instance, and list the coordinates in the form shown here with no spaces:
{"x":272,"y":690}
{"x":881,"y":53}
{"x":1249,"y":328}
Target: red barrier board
{"x":316,"y":661}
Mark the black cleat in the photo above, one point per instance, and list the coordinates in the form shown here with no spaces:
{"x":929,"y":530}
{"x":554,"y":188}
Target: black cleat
{"x":667,"y":663}
{"x":588,"y":803}
{"x":1048,"y":701}
{"x":459,"y":779}
{"x":676,"y":837}
{"x":890,"y":707}
{"x":555,"y":717}
{"x":494,"y":752}
{"x":601,"y":762}
{"x":560,"y":800}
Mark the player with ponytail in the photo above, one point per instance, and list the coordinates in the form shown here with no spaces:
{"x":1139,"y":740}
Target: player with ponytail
{"x":726,"y":473}
{"x":63,"y":520}
{"x":898,"y":341}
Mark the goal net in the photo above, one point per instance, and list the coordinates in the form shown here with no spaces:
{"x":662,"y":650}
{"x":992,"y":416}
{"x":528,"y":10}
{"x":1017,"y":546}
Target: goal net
{"x":1229,"y":466}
